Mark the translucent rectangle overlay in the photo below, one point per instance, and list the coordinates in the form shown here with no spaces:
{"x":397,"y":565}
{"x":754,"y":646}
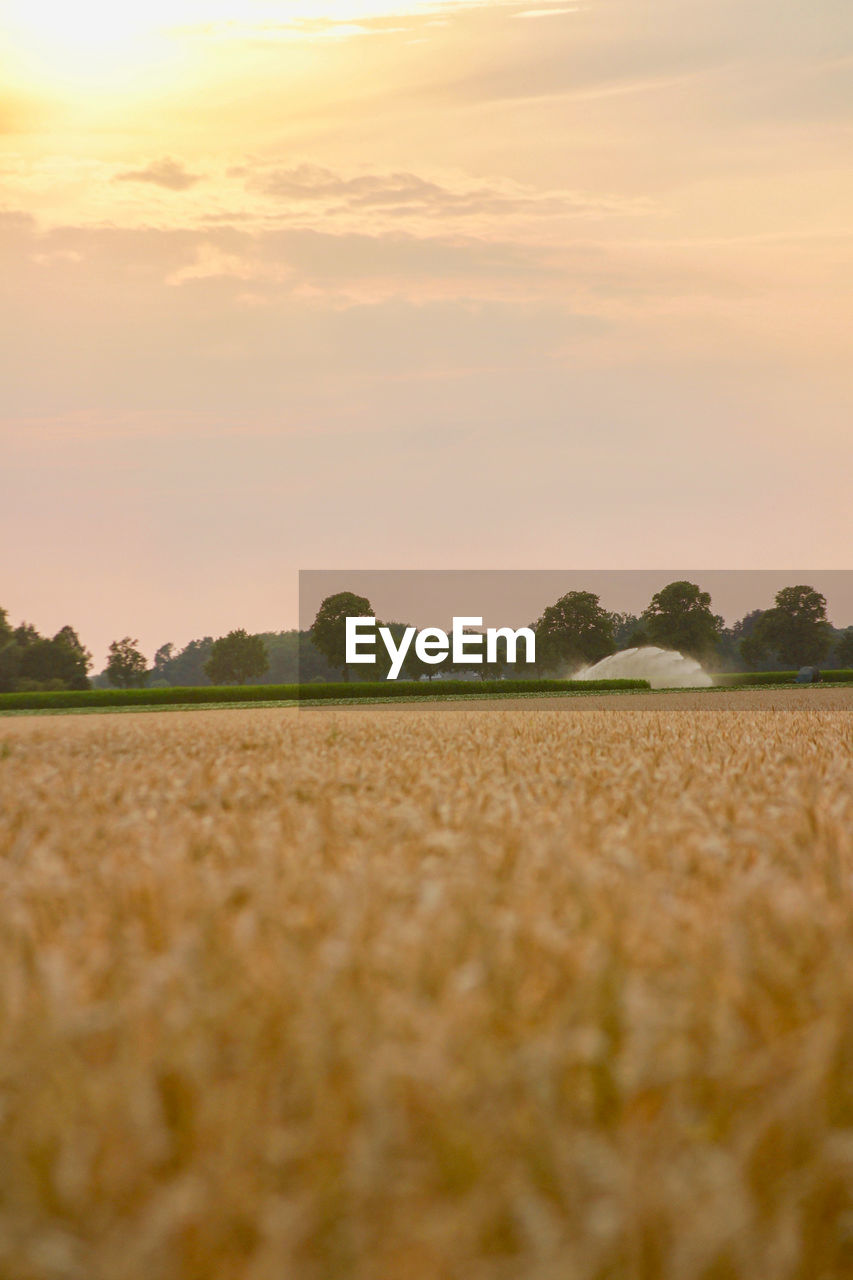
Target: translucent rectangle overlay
{"x":419,"y":599}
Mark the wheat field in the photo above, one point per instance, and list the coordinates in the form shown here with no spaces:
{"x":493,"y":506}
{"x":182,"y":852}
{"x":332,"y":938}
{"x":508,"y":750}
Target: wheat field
{"x":541,"y":992}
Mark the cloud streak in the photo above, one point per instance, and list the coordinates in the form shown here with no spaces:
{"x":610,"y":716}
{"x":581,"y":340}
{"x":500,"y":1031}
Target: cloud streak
{"x":403,"y":194}
{"x":167,"y":173}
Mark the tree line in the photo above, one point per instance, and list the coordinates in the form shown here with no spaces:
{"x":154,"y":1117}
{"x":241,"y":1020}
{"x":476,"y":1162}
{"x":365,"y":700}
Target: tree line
{"x":577,"y":631}
{"x":574,"y":631}
{"x":30,"y":661}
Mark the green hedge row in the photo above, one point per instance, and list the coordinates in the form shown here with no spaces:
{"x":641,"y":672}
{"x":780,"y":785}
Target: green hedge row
{"x":732,"y":679}
{"x":68,"y":699}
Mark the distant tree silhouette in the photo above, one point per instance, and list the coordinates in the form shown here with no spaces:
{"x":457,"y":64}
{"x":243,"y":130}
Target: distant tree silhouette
{"x":844,"y":649}
{"x":68,"y":638}
{"x":329,"y":630}
{"x":624,"y":627}
{"x":62,"y":659}
{"x":679,"y":617}
{"x":164,"y":655}
{"x":10,"y":654}
{"x":25,"y":635}
{"x":126,"y":667}
{"x":795,"y":630}
{"x":574,"y":631}
{"x":236,"y":658}
{"x":30,"y":660}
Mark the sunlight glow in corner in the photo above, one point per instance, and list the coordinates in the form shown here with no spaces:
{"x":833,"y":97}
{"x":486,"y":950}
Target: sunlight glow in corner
{"x":97,"y":43}
{"x":82,"y":40}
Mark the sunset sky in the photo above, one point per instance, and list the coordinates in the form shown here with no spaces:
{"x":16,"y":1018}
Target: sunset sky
{"x":389,"y":283}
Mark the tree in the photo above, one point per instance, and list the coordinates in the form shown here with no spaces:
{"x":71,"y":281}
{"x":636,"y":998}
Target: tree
{"x":628,"y":632}
{"x":329,"y":630}
{"x":638,"y":639}
{"x":795,"y":630}
{"x":679,"y":617}
{"x":158,"y":675}
{"x":26,"y":656}
{"x":747,"y":625}
{"x":62,"y":660}
{"x":10,"y":655}
{"x":164,"y":655}
{"x":236,"y":658}
{"x":31,"y":660}
{"x":312,"y":665}
{"x":126,"y":667}
{"x":80,"y":658}
{"x":25,"y":635}
{"x":844,"y":649}
{"x":43,"y":661}
{"x":625,"y":626}
{"x":752,"y":641}
{"x":752,"y":650}
{"x":734,"y":651}
{"x":574,"y":631}
{"x":293,"y":659}
{"x":187,"y":667}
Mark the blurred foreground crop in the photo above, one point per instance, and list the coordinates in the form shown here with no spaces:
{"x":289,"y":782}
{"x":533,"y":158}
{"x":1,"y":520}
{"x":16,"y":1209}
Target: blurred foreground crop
{"x":526,"y":993}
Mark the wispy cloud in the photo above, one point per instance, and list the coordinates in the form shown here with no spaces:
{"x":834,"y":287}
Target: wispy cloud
{"x":357,"y":18}
{"x":404,"y":193}
{"x":167,"y":173}
{"x":546,"y":13}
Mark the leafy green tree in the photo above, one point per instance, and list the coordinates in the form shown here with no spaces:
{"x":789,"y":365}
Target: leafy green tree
{"x":236,"y":658}
{"x":126,"y":667}
{"x":10,"y":654}
{"x":679,"y":617}
{"x":625,"y":626}
{"x":844,"y":649}
{"x":753,"y":650}
{"x":31,"y":659}
{"x":573,"y":632}
{"x":329,"y":630}
{"x":162,"y":659}
{"x":795,"y":630}
{"x":184,"y":668}
{"x":747,"y":625}
{"x":25,"y":635}
{"x":734,"y":652}
{"x":283,"y":653}
{"x":10,"y":666}
{"x":44,"y":660}
{"x":61,"y":661}
{"x":638,"y":638}
{"x":80,"y":656}
{"x":628,"y":632}
{"x":312,"y":665}
{"x":187,"y":668}
{"x":293,"y":659}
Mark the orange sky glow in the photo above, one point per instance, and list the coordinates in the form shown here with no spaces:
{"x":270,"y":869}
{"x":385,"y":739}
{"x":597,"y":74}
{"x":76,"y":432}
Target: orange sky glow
{"x":415,"y":283}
